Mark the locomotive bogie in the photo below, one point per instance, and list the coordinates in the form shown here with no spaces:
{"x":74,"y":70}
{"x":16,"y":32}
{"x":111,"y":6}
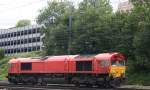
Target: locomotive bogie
{"x":86,"y":79}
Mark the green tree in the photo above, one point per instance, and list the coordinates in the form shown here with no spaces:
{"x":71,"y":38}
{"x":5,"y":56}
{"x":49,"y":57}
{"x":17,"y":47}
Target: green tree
{"x":22,"y":23}
{"x":119,"y":35}
{"x":55,"y":17}
{"x":91,"y":21}
{"x":142,"y":36}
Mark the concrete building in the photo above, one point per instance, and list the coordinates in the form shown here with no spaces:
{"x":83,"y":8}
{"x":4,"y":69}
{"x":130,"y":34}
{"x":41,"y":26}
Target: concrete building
{"x":125,"y":6}
{"x":22,"y":39}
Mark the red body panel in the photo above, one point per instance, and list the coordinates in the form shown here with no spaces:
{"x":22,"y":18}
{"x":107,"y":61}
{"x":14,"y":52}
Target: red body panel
{"x":37,"y":67}
{"x":14,"y":68}
{"x":64,"y":64}
{"x":55,"y":67}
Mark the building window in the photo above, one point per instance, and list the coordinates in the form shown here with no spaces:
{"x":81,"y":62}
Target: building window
{"x":33,"y":39}
{"x":22,"y":32}
{"x":22,"y":49}
{"x":25,"y":41}
{"x":30,"y":40}
{"x":8,"y":51}
{"x":15,"y":50}
{"x":3,"y":35}
{"x":2,"y":43}
{"x":5,"y":43}
{"x":34,"y":31}
{"x":38,"y":30}
{"x":15,"y":34}
{"x":29,"y":49}
{"x":18,"y":41}
{"x":25,"y":32}
{"x":38,"y":47}
{"x":15,"y":42}
{"x":25,"y":49}
{"x":11,"y":50}
{"x":29,"y":31}
{"x":18,"y":33}
{"x":21,"y":41}
{"x":11,"y":42}
{"x":8,"y":43}
{"x":18,"y":49}
{"x":38,"y":39}
{"x":34,"y":48}
{"x":11,"y":34}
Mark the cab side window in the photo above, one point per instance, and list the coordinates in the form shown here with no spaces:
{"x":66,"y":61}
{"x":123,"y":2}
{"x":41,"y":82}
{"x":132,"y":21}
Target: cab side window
{"x":104,"y":63}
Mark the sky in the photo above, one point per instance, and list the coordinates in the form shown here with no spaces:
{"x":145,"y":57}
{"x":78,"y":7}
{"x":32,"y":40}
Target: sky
{"x":12,"y":11}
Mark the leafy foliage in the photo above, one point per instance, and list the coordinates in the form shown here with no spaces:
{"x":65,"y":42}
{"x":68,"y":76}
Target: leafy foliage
{"x":2,"y":53}
{"x":142,"y":36}
{"x":22,"y":23}
{"x":95,"y":29}
{"x":56,"y":33}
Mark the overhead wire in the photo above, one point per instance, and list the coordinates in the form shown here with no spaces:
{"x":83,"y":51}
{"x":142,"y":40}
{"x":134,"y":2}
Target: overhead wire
{"x":24,"y":5}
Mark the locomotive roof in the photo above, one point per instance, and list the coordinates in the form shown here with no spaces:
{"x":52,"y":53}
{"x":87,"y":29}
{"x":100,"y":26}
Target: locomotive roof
{"x":61,"y":57}
{"x":102,"y":56}
{"x":14,"y":60}
{"x":109,"y":56}
{"x":47,"y":58}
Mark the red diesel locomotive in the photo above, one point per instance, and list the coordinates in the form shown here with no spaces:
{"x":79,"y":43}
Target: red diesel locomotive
{"x":106,"y":69}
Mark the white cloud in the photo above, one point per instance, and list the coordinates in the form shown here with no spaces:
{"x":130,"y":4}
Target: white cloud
{"x":13,"y":10}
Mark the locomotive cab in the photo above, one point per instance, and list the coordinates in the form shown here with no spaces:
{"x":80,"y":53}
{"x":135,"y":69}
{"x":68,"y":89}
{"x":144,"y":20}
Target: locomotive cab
{"x":117,"y":68}
{"x":112,"y":65}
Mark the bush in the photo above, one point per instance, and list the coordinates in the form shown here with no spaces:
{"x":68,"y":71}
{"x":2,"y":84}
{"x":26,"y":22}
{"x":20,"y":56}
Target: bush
{"x":138,"y":78}
{"x":2,"y":53}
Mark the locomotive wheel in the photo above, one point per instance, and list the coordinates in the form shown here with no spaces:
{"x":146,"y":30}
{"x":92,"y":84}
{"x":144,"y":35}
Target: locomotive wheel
{"x":107,"y":85}
{"x":43,"y":83}
{"x":76,"y":83}
{"x":89,"y":85}
{"x":34,"y":81}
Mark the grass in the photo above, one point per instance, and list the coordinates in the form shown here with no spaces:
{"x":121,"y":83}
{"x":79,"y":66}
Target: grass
{"x":3,"y":62}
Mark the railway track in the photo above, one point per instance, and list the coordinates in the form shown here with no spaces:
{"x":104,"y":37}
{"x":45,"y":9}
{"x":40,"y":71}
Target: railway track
{"x":7,"y":86}
{"x":49,"y":87}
